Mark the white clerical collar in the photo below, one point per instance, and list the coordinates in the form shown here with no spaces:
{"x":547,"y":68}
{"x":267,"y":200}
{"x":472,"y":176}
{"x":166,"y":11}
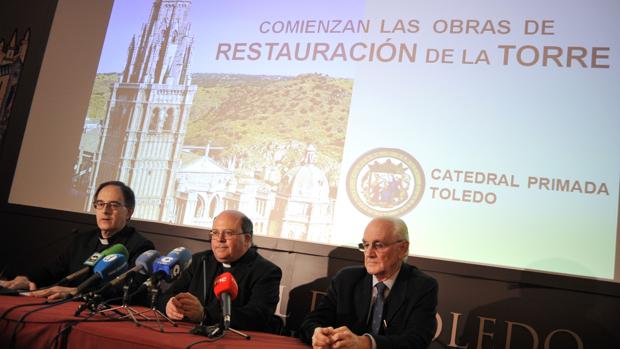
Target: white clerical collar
{"x":226,"y":265}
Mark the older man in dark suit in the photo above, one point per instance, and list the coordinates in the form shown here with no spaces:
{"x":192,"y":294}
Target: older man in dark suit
{"x":385,"y":304}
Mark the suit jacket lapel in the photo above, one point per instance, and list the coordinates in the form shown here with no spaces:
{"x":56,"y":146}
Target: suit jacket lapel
{"x":361,"y":301}
{"x":398,"y":295}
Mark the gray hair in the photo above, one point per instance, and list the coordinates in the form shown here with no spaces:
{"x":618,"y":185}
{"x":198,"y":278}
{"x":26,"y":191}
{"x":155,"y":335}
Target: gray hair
{"x":400,"y":229}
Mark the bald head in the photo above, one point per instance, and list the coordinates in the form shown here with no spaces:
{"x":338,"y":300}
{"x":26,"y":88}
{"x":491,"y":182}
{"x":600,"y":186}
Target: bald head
{"x":246,"y":224}
{"x":231,"y":236}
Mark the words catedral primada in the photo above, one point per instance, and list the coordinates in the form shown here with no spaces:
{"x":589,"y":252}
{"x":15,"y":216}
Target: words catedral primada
{"x":504,"y":180}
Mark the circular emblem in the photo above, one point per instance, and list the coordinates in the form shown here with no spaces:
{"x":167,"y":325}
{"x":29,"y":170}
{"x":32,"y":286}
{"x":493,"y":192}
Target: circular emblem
{"x":384,"y":182}
{"x":176,"y":270}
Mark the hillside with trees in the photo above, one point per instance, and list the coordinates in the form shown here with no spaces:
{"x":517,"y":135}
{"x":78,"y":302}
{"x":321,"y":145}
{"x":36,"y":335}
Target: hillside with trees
{"x":249,"y":117}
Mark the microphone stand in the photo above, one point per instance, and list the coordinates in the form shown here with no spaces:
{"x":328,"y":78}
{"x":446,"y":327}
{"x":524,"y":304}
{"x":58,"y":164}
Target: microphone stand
{"x":129,"y":311}
{"x":244,"y":335}
{"x":154,"y":290}
{"x":225,"y":323}
{"x":218,"y":329}
{"x":212,"y":331}
{"x":91,"y":301}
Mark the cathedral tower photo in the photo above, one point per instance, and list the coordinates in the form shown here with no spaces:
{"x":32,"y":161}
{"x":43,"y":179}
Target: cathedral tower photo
{"x":147,"y":114}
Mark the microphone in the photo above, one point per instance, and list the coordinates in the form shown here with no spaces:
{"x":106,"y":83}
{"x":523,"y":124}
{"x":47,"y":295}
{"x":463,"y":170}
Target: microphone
{"x":226,"y":289}
{"x":143,"y":265}
{"x":170,"y":267}
{"x":167,"y":267}
{"x":94,"y":259}
{"x":107,"y":268}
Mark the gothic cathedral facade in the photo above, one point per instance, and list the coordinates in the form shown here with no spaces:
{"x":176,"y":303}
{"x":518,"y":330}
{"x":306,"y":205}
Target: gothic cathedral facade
{"x":148,"y":111}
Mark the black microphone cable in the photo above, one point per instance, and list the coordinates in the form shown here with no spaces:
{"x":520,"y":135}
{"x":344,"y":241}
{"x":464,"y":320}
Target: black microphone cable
{"x":21,"y":320}
{"x":207,"y":340}
{"x":17,"y":306}
{"x":46,"y":305}
{"x":201,"y":328}
{"x":211,"y":332}
{"x":69,"y":324}
{"x":10,"y":309}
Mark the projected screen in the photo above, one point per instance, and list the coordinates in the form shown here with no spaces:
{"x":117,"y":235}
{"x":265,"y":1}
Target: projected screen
{"x":491,"y":129}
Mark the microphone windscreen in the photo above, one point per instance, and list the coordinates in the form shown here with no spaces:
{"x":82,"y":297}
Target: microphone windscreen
{"x":169,"y":267}
{"x":183,"y":255}
{"x":116,"y":248}
{"x":96,"y":257}
{"x":145,"y":261}
{"x":225,"y":283}
{"x":162,"y":267}
{"x":111,"y":266}
{"x":93,"y":259}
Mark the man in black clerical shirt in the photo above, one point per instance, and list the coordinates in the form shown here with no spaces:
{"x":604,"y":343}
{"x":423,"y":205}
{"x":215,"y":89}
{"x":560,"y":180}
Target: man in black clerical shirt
{"x":114,"y":204}
{"x":231,"y":250}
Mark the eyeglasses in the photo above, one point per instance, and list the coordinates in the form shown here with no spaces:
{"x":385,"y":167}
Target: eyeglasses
{"x":100,"y":205}
{"x":228,"y":234}
{"x":376,"y":245}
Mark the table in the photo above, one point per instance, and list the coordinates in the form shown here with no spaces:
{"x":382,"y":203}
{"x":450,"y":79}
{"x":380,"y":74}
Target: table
{"x":42,"y":329}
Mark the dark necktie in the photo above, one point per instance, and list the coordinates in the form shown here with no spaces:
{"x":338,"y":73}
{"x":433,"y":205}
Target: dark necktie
{"x":377,"y":310}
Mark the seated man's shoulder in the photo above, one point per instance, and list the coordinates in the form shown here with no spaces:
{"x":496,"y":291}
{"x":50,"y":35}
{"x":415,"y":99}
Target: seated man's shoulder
{"x":133,"y":233}
{"x":134,"y":237}
{"x":413,"y":274}
{"x":85,"y":235}
{"x":206,"y":255}
{"x":351,"y":272}
{"x":265,"y":263}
